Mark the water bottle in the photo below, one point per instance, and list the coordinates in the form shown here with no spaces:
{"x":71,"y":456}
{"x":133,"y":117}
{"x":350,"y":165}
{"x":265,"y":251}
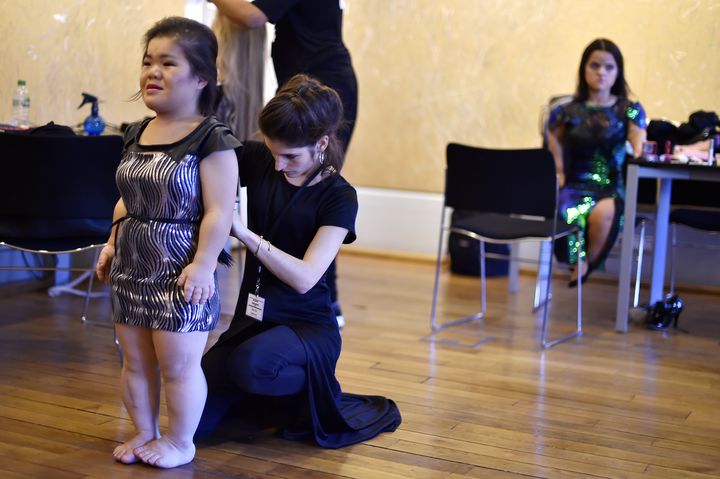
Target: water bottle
{"x":21,"y":106}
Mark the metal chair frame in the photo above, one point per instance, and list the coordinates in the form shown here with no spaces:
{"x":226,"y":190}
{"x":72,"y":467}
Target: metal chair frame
{"x":88,"y":273}
{"x":60,"y":203}
{"x":545,"y":341}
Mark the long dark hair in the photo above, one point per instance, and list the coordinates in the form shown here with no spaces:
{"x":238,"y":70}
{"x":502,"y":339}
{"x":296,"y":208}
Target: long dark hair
{"x":200,"y":47}
{"x":301,"y":113}
{"x":620,"y":89}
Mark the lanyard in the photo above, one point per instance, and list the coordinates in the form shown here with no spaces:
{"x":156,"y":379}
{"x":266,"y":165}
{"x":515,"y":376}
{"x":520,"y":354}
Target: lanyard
{"x":275,"y":221}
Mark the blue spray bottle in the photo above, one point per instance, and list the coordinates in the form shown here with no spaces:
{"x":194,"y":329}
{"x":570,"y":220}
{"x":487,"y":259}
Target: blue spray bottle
{"x":94,"y":124}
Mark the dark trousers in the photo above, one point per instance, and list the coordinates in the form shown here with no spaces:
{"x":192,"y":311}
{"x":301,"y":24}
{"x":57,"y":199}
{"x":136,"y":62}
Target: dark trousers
{"x":271,"y":363}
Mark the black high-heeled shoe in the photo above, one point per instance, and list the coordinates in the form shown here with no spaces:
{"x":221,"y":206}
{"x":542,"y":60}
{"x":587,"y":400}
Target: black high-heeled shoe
{"x":665,"y":314}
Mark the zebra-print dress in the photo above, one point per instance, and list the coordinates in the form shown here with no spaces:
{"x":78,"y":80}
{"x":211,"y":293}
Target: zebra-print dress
{"x":160,"y":187}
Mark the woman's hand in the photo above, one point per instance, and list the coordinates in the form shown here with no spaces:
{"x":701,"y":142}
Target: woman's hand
{"x":561,"y":179}
{"x":102,"y":268}
{"x":197,"y":282}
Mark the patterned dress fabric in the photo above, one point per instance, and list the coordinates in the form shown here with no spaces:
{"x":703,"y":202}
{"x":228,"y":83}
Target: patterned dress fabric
{"x":594,"y":157}
{"x":160,"y":187}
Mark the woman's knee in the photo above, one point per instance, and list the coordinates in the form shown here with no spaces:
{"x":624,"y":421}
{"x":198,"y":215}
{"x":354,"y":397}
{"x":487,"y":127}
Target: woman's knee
{"x":603,"y":212}
{"x":250,"y":368}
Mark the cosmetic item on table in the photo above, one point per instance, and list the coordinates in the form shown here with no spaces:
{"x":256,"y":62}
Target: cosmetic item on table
{"x":649,"y":151}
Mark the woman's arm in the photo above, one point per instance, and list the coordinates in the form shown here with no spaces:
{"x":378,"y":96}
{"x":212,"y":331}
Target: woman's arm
{"x":299,"y":274}
{"x":636,"y":136}
{"x":102,"y":268}
{"x":241,"y":12}
{"x":218,"y":178}
{"x":554,"y":139}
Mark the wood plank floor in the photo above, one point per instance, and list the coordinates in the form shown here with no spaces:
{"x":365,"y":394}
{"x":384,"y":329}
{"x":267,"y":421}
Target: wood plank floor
{"x":640,"y":405}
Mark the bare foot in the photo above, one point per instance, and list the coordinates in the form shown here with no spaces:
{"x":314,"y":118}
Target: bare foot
{"x":124,"y":452}
{"x":165,"y":453}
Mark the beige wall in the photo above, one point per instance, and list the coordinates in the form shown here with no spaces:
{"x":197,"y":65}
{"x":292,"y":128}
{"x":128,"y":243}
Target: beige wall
{"x":64,"y":47}
{"x":478,"y":72}
{"x":430,"y":72}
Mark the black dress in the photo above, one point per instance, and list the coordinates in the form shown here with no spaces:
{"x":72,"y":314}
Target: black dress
{"x":338,"y":419}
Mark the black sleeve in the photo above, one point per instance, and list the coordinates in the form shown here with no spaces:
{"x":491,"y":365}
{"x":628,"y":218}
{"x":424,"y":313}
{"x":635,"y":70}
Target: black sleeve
{"x":218,"y":138}
{"x":340,"y":209}
{"x":275,"y":9}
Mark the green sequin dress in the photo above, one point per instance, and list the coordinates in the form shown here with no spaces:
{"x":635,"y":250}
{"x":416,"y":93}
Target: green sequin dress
{"x":593,"y":142}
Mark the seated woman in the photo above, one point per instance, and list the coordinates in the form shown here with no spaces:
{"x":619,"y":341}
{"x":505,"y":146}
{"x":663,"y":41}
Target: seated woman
{"x":587,"y":139}
{"x":275,"y":365}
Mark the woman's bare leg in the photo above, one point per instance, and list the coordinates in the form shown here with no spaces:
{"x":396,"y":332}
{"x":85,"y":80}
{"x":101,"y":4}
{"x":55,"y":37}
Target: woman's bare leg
{"x":600,"y":224}
{"x":140,"y":385}
{"x":179,"y":355}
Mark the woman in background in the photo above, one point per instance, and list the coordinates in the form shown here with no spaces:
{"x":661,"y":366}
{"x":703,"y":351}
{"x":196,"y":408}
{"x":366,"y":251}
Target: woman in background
{"x":587,"y":138}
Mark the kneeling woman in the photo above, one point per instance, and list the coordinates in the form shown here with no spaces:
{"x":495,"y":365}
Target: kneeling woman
{"x":276,"y":362}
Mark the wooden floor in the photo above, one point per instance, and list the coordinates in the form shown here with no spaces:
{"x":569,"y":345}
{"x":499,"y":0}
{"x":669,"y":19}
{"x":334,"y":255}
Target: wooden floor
{"x":641,"y":405}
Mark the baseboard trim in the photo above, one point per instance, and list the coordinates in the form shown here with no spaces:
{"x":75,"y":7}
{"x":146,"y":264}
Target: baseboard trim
{"x":389,"y":254}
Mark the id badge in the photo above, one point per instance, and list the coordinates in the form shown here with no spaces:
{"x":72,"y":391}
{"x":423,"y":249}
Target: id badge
{"x":255,"y":306}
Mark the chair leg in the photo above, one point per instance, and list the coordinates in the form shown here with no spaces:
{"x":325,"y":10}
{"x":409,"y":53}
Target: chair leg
{"x":88,"y":293}
{"x":544,"y":342}
{"x":483,"y":283}
{"x":90,"y":276}
{"x":436,"y":287}
{"x":436,"y":327}
{"x":673,"y":244}
{"x":514,"y":269}
{"x":639,"y":262}
{"x":544,"y":257}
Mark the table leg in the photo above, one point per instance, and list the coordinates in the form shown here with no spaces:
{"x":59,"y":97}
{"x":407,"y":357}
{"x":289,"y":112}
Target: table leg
{"x":623,"y":298}
{"x":661,"y":235}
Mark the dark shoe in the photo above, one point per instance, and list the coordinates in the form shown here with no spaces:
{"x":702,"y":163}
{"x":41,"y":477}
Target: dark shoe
{"x":665,"y":314}
{"x":574,"y":282}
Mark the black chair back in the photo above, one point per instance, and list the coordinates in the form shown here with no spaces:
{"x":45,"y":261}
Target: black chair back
{"x":517,"y":182}
{"x":57,"y":191}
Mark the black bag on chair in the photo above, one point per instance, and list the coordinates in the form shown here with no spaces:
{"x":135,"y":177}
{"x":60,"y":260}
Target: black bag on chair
{"x":465,"y":253}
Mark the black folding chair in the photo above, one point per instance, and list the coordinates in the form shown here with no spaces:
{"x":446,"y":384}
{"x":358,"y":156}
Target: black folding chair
{"x":57,"y":197}
{"x":514,"y":195}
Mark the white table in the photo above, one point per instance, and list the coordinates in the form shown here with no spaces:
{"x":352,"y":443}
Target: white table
{"x":665,"y":174}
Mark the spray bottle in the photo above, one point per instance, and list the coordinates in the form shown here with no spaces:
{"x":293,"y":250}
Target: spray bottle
{"x":94,"y":124}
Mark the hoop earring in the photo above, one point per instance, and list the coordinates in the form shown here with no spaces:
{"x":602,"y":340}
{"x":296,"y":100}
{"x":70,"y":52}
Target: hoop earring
{"x":321,"y":157}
